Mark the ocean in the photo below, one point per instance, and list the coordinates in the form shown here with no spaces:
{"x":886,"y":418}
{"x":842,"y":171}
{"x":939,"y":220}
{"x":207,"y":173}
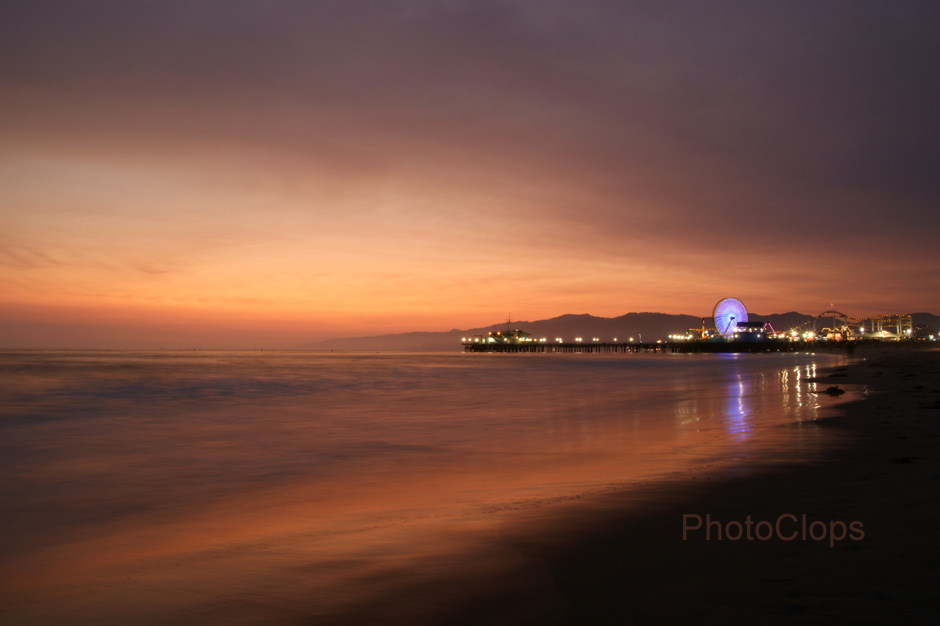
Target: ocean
{"x":292,"y":487}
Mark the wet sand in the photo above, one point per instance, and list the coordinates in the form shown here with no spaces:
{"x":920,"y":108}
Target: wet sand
{"x":621,"y":558}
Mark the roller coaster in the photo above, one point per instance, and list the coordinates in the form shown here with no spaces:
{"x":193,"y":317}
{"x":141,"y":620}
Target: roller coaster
{"x":881,"y":325}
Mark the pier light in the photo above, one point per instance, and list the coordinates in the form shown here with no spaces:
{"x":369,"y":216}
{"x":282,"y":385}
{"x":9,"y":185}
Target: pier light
{"x":615,"y":340}
{"x":596,"y":339}
{"x":631,"y":339}
{"x":559,"y":340}
{"x":577,"y":338}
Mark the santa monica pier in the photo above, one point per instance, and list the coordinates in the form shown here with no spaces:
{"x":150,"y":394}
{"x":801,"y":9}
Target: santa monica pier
{"x":728,"y":330}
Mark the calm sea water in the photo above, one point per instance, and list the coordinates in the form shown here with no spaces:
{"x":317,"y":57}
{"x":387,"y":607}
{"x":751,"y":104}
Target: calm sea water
{"x":246,"y":487}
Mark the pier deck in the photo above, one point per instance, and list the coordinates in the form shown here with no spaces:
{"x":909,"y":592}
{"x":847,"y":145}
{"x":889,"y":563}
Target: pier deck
{"x":665,"y":347}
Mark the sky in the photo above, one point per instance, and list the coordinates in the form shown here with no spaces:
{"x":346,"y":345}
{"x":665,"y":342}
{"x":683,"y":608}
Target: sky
{"x":263,"y":174}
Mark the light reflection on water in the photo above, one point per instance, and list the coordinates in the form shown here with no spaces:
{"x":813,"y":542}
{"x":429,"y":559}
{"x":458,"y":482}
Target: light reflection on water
{"x":133,"y":475}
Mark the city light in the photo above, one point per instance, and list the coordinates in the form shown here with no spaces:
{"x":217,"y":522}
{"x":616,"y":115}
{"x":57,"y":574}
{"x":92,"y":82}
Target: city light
{"x":754,"y":331}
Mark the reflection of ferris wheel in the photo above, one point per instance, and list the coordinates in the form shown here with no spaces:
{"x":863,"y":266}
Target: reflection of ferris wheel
{"x":728,"y":314}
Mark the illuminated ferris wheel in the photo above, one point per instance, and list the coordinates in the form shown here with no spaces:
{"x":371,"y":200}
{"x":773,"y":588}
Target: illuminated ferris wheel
{"x":729,"y":312}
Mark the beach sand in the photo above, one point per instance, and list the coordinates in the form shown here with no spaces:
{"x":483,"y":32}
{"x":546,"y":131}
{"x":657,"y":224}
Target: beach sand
{"x":621,"y":558}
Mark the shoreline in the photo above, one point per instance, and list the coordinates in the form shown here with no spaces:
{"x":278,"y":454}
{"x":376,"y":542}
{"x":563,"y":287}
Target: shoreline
{"x":621,"y":557}
{"x":885,"y":477}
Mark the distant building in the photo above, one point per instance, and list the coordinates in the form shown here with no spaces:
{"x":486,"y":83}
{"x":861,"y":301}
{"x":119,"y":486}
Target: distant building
{"x":504,"y":336}
{"x":753,"y":331}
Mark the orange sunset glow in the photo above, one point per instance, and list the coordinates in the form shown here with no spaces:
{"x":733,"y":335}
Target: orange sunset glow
{"x":263,"y":175}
